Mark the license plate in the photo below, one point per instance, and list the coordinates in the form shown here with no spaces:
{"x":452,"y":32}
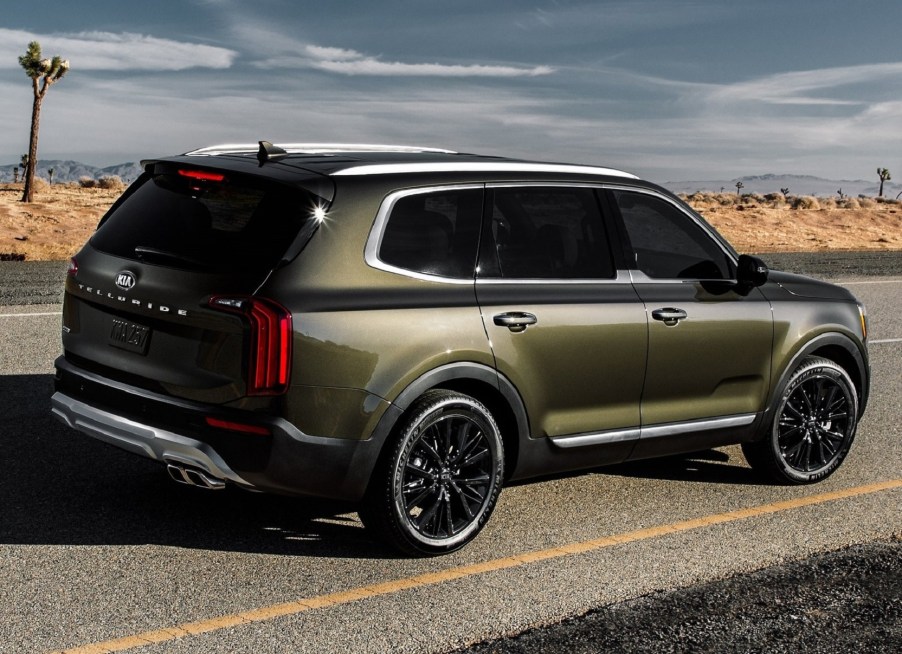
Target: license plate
{"x":129,"y":336}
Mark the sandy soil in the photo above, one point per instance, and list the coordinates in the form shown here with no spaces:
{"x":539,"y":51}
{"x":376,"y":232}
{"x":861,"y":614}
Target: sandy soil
{"x":63,"y":217}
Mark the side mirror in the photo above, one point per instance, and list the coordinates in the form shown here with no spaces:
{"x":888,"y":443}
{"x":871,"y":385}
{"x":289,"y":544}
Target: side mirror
{"x":751,"y":271}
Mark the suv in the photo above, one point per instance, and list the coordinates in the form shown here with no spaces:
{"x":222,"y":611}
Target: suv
{"x":409,"y":329}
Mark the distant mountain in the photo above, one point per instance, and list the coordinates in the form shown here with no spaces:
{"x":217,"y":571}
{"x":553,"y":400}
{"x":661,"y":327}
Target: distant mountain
{"x":72,"y":171}
{"x":797,"y":185}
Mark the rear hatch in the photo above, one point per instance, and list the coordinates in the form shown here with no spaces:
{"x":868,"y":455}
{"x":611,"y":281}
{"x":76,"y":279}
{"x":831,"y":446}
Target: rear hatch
{"x":163,"y":296}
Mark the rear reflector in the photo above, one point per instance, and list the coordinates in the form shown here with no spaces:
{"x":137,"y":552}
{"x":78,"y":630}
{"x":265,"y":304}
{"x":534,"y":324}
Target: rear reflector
{"x":237,"y":426}
{"x":269,"y":356}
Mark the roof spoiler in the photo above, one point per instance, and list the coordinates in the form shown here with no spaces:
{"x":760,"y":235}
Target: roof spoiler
{"x":269,"y":152}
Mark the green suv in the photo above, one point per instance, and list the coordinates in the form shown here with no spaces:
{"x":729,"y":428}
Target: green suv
{"x":409,"y":329}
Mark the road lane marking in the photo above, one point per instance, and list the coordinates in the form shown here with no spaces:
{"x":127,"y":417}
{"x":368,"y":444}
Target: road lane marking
{"x":885,"y":340}
{"x":29,"y":315}
{"x":877,"y":281}
{"x":169,"y":634}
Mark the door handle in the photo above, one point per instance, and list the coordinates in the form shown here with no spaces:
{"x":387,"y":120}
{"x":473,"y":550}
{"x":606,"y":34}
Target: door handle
{"x":669,"y":316}
{"x":516,"y":321}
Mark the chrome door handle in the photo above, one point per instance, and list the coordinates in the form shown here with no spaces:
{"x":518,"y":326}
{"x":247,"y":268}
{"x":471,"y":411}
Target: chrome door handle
{"x":516,"y":321}
{"x":669,"y":316}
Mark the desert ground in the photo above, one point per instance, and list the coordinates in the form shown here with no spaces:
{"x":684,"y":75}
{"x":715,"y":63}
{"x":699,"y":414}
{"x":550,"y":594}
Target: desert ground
{"x":64,"y":215}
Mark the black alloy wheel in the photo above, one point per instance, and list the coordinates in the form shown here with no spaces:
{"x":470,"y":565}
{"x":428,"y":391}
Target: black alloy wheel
{"x":813,"y":427}
{"x":443,"y":478}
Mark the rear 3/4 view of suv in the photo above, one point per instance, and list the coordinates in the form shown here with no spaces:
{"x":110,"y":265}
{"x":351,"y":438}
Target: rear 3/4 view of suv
{"x":410,"y":329}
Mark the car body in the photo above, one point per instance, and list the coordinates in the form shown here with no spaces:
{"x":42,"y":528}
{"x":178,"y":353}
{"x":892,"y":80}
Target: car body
{"x":410,"y":328}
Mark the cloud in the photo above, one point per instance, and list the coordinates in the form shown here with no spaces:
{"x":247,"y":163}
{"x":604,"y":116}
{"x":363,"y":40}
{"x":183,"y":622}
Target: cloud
{"x":793,"y":88}
{"x":115,"y":51}
{"x":351,"y":62}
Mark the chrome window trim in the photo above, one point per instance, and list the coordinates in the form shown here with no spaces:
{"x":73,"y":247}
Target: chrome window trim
{"x":622,"y":277}
{"x":477,"y":167}
{"x":655,"y":431}
{"x":377,"y":231}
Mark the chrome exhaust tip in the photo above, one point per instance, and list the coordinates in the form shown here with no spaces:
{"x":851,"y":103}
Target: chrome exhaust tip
{"x":194,"y":477}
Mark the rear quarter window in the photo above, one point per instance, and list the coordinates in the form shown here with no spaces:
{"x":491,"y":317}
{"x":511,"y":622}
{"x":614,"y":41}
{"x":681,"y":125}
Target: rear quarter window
{"x":434,"y":233}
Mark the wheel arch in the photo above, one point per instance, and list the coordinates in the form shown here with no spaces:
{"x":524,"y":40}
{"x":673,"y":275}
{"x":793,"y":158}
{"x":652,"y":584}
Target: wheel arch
{"x":479,"y":381}
{"x":840,"y":349}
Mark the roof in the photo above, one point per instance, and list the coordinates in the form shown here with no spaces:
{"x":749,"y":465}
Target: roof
{"x":336,"y":159}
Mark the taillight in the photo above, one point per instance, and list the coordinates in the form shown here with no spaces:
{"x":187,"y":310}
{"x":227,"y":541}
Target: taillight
{"x":73,"y":267}
{"x":269,"y":360}
{"x":202,"y":175}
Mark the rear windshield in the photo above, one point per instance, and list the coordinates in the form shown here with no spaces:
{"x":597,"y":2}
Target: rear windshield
{"x":207,"y":221}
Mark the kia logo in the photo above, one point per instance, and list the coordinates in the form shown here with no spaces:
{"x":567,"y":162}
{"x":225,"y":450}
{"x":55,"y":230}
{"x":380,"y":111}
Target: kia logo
{"x":125,"y":280}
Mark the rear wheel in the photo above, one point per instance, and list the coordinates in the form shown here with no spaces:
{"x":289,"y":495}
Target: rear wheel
{"x":812,"y":426}
{"x":439,"y":483}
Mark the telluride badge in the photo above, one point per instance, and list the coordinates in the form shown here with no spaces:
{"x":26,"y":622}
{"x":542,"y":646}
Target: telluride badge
{"x":125,"y":279}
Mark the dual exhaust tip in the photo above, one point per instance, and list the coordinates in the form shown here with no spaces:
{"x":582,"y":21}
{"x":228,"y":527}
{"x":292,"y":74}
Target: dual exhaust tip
{"x":194,"y":477}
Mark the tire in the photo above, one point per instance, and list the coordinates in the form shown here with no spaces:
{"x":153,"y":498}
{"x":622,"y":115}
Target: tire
{"x":812,"y":425}
{"x":439,"y":482}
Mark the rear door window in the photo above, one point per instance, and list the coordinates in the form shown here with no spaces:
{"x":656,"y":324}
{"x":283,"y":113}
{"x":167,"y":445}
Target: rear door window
{"x":546,"y":232}
{"x":207,"y":221}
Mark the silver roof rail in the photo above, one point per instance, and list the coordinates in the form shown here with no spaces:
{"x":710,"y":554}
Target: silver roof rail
{"x":314,"y":148}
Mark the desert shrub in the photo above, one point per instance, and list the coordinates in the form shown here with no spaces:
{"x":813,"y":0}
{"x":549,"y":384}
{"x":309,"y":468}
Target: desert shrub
{"x":11,"y":256}
{"x":866,"y":202}
{"x":111,"y":182}
{"x":726,"y":199}
{"x":828,"y":203}
{"x":87,"y":182}
{"x":40,"y":184}
{"x":753,"y":198}
{"x":805,"y":202}
{"x":849,"y":203}
{"x":777,"y":200}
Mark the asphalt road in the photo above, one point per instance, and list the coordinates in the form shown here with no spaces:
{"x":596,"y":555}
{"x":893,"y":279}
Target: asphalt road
{"x":100,"y":549}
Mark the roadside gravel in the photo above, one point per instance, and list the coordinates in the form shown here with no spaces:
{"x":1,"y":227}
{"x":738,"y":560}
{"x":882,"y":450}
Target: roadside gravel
{"x":834,"y":603}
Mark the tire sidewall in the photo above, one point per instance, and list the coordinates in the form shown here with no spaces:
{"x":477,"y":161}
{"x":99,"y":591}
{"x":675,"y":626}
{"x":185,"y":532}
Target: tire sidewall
{"x":810,"y":369}
{"x":443,"y":406}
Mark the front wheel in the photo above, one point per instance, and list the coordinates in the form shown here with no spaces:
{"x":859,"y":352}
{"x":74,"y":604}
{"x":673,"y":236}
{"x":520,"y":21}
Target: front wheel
{"x":812,"y":426}
{"x":440,"y":481}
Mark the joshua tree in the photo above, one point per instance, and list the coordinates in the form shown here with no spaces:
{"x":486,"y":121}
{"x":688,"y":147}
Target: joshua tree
{"x":841,"y":194}
{"x":739,"y":187}
{"x":50,"y":174}
{"x":785,"y":192}
{"x":15,"y":174}
{"x":883,"y":174}
{"x":23,"y":164}
{"x":43,"y":73}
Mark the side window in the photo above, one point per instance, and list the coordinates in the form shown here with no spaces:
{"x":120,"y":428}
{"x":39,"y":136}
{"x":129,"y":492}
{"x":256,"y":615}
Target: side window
{"x":435,"y":233}
{"x":667,"y":243}
{"x":547,"y":232}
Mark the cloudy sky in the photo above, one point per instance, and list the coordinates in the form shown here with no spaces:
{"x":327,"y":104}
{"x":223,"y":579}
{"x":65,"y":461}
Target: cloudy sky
{"x":669,"y":89}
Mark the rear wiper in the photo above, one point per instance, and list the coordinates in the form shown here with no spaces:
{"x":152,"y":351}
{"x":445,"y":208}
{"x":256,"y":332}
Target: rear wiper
{"x":145,"y":252}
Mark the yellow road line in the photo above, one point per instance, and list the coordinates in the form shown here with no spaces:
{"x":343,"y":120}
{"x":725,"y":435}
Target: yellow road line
{"x":432,"y":578}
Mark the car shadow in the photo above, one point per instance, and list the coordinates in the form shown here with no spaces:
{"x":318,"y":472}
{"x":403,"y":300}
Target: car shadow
{"x":60,"y":487}
{"x":708,"y":466}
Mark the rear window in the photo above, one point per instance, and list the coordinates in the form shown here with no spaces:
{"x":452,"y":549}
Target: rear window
{"x":206,"y":221}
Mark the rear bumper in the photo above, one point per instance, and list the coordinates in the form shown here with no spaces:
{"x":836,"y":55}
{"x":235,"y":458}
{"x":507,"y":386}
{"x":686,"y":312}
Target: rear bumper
{"x":144,"y":440}
{"x":173,"y":431}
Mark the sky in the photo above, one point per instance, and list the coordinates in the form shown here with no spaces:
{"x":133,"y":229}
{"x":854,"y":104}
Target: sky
{"x":670,"y":90}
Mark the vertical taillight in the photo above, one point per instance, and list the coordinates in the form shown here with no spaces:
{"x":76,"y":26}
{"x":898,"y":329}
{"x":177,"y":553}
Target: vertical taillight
{"x":269,"y":355}
{"x":73,"y":268}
